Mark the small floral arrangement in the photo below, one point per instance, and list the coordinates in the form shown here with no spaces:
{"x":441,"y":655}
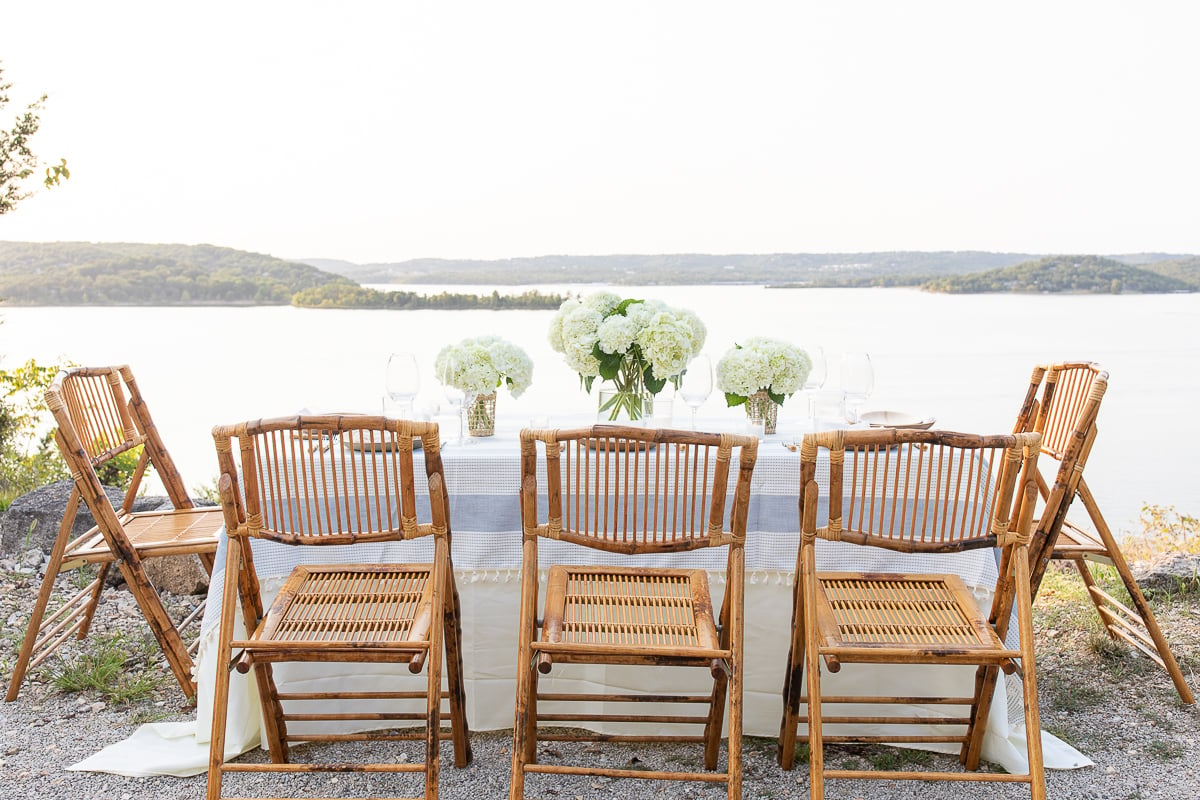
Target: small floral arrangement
{"x":762,"y":365}
{"x":478,"y":366}
{"x":610,"y":337}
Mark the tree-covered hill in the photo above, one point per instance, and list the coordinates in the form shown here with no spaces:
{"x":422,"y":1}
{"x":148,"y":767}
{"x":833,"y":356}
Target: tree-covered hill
{"x":1071,"y":274}
{"x":813,"y":269}
{"x":83,"y":273}
{"x":1185,"y":269}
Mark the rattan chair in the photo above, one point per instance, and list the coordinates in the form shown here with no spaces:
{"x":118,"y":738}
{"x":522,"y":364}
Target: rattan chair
{"x":1065,"y":415}
{"x":101,"y":415}
{"x":328,"y":481}
{"x":911,"y":492}
{"x":632,"y":491}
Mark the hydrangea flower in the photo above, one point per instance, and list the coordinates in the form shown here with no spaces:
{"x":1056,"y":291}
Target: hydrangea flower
{"x":762,"y":364}
{"x":480,"y":365}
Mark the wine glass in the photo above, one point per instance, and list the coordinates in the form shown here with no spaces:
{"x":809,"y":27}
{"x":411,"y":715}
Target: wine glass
{"x":403,"y":381}
{"x":696,"y":384}
{"x":455,"y":397}
{"x":814,"y":381}
{"x":858,"y":381}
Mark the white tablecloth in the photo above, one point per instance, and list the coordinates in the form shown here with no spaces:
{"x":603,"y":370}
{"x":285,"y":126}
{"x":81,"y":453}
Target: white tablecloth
{"x":483,"y":480}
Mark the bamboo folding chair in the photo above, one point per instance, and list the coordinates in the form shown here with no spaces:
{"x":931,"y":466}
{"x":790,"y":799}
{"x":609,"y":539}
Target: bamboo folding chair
{"x":632,"y":491}
{"x":912,"y":492}
{"x":101,"y":415}
{"x":1065,"y":415}
{"x":328,"y":481}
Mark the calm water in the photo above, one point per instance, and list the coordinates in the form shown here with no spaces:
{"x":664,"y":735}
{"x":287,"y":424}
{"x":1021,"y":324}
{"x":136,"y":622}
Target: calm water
{"x":964,"y":359}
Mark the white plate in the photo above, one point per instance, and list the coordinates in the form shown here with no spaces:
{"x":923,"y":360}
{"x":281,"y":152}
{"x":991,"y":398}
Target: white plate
{"x":896,"y":419}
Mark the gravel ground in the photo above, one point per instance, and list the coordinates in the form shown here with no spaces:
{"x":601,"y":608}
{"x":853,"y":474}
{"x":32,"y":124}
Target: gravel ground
{"x":1119,"y":709}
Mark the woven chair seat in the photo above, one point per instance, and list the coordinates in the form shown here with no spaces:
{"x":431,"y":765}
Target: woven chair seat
{"x":629,"y":611}
{"x":934,"y":612}
{"x":356,"y":605}
{"x":157,"y":533}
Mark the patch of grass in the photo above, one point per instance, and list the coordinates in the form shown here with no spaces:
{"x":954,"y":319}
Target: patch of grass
{"x":101,"y":667}
{"x":143,"y":716}
{"x":1074,"y":697}
{"x":898,"y":758}
{"x":82,"y":576}
{"x":1164,"y":750}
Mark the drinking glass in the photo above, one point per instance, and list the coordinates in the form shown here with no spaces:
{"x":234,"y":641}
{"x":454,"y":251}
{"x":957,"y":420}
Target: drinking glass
{"x":696,"y":384}
{"x":858,"y":381}
{"x":455,"y":397}
{"x":403,"y":380}
{"x":814,"y":381}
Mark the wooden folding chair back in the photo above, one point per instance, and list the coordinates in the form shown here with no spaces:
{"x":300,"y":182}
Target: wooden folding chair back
{"x":1065,"y":414}
{"x":633,"y":491}
{"x":911,"y":492}
{"x":101,"y":415}
{"x":328,"y":481}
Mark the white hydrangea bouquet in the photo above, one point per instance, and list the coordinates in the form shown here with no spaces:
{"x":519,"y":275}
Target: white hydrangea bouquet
{"x":761,"y":374}
{"x":479,"y":366}
{"x":639,"y":345}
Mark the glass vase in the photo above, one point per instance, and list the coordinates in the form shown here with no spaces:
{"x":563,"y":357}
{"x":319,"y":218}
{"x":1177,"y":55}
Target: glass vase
{"x":760,"y":408}
{"x":625,"y":400}
{"x":481,"y":415}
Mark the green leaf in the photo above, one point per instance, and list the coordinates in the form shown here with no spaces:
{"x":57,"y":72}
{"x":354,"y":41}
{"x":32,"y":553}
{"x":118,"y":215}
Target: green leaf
{"x":778,"y":398}
{"x":734,"y":400}
{"x":653,"y":385}
{"x":624,"y":304}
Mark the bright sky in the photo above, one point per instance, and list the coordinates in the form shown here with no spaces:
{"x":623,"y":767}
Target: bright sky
{"x":382,"y":131}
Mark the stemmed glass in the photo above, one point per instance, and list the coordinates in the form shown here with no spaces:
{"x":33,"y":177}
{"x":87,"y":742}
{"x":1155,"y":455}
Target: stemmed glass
{"x":858,"y":381}
{"x":403,"y":381}
{"x":696,"y":384}
{"x":455,"y":396}
{"x":814,"y":381}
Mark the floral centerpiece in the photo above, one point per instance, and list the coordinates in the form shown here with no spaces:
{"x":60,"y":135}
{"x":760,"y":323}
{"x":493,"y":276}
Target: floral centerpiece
{"x":477,"y":367}
{"x":639,"y":345}
{"x":760,"y":375}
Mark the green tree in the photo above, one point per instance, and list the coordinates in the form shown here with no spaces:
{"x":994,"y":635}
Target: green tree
{"x":17,"y":160}
{"x":28,"y":456}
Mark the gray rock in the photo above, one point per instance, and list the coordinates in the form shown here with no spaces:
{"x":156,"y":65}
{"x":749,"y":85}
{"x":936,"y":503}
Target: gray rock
{"x":1169,"y":574}
{"x":33,"y":519}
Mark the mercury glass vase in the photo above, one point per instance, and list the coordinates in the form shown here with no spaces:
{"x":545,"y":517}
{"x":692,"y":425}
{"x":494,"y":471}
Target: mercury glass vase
{"x":761,"y":408}
{"x":481,"y":415}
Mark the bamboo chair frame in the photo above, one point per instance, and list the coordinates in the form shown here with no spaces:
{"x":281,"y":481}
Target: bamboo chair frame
{"x":101,"y":414}
{"x":1065,"y":415}
{"x":328,"y":481}
{"x":632,"y":491}
{"x":912,"y":492}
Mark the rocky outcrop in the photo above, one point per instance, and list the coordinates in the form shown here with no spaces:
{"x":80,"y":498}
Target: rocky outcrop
{"x":1169,"y":574}
{"x":31,"y":524}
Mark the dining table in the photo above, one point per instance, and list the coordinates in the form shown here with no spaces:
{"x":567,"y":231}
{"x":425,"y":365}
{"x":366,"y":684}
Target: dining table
{"x":482,"y":476}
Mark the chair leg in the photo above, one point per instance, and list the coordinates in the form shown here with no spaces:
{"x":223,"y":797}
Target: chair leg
{"x":94,"y":601}
{"x":216,"y":746}
{"x":1033,"y":724}
{"x":812,"y":658}
{"x":520,"y":747}
{"x":161,"y":624}
{"x":1167,"y":658}
{"x":716,"y":705}
{"x":43,"y":599}
{"x":452,"y":625}
{"x":793,"y":685}
{"x":433,"y":696}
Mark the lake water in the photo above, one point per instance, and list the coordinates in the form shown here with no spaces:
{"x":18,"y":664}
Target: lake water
{"x":964,"y":359}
